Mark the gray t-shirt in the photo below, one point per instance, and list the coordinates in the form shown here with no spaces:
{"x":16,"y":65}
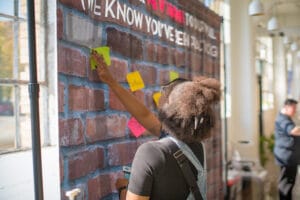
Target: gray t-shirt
{"x":287,"y":149}
{"x":155,"y":172}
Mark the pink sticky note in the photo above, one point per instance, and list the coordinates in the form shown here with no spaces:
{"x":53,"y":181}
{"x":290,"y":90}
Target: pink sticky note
{"x":135,"y":127}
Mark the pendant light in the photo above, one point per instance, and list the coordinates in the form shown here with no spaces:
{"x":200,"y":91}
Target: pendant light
{"x":286,"y":40}
{"x":273,"y":24}
{"x":294,"y":46}
{"x":255,"y":8}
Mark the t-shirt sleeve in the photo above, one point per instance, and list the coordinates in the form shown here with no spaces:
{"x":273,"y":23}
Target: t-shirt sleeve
{"x":146,"y":163}
{"x":288,"y":126}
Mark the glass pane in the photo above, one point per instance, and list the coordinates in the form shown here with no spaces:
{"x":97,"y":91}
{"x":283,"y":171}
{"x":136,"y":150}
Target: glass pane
{"x":6,"y":49}
{"x":7,"y":7}
{"x":25,"y":124}
{"x":23,"y":8}
{"x":23,"y":71}
{"x":7,"y":119}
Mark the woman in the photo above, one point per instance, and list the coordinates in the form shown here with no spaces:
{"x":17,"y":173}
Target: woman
{"x":185,"y":114}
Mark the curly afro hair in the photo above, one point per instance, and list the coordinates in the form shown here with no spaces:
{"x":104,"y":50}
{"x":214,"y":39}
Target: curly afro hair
{"x":188,"y":113}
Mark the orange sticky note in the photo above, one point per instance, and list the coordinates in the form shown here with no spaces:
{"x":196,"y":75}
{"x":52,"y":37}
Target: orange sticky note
{"x":173,"y":75}
{"x":135,"y":127}
{"x":135,"y":81}
{"x":104,"y":51}
{"x":156,"y":96}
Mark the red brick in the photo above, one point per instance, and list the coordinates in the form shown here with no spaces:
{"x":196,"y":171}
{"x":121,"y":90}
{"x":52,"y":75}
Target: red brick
{"x":151,"y":52}
{"x":124,"y":43}
{"x":180,"y":58}
{"x":196,"y":62}
{"x":164,"y":77}
{"x":118,"y":69}
{"x":61,"y":168}
{"x":78,"y":98}
{"x":71,"y":61}
{"x":208,"y":66}
{"x":114,"y":102}
{"x":148,"y":73}
{"x":85,"y":162}
{"x":73,"y":4}
{"x":102,"y":185}
{"x":105,"y":127}
{"x":210,"y":177}
{"x":70,"y":132}
{"x":163,"y":55}
{"x":59,"y":15}
{"x":121,"y":153}
{"x":95,"y":100}
{"x":209,"y":161}
{"x":61,"y":96}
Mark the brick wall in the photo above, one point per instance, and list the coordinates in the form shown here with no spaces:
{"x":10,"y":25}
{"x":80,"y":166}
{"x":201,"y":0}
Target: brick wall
{"x":94,"y":139}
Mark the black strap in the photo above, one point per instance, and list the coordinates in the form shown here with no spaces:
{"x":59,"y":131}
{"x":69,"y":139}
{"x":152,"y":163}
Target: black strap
{"x":185,"y":167}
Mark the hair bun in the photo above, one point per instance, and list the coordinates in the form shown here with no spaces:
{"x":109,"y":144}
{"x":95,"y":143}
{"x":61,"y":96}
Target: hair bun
{"x":192,"y":98}
{"x":208,"y":82}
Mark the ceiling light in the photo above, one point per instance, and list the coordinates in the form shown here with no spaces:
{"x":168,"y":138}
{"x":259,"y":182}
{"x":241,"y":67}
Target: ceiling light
{"x":256,"y":8}
{"x":286,"y":40}
{"x":294,"y":46}
{"x":273,"y":24}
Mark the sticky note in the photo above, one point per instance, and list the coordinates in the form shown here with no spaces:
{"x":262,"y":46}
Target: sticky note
{"x":173,"y":75}
{"x":135,"y":127}
{"x":104,"y":51}
{"x":156,"y":96}
{"x":135,"y":81}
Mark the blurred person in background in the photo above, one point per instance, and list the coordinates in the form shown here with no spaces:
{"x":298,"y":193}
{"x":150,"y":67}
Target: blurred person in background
{"x":287,"y":148}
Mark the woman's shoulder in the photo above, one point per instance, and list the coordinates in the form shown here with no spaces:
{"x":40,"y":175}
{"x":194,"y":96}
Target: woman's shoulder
{"x":153,"y":147}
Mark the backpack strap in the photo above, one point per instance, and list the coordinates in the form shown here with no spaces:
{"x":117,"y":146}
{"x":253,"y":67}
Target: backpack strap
{"x":185,"y":167}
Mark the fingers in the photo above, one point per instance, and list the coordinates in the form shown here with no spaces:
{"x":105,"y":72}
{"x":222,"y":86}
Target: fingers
{"x":98,"y":58}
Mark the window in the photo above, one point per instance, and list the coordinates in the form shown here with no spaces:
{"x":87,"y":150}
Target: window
{"x":14,"y":77}
{"x":264,"y":67}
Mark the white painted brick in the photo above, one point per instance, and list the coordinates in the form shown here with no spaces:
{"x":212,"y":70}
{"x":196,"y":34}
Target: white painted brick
{"x":83,"y":32}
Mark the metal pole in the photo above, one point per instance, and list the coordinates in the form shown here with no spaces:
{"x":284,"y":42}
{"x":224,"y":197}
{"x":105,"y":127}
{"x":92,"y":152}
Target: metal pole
{"x":33,"y":88}
{"x":260,"y":88}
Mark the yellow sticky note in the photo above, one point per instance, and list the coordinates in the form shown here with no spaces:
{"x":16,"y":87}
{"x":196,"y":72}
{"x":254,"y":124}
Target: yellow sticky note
{"x":156,"y":96}
{"x":173,"y":75}
{"x":135,"y":81}
{"x":104,"y":51}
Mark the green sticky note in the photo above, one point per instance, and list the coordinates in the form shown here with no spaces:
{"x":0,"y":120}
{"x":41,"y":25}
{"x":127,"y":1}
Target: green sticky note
{"x":104,"y":51}
{"x":173,"y":75}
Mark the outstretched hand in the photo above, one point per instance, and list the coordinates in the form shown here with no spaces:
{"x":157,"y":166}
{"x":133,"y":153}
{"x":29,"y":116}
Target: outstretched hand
{"x":102,"y":69}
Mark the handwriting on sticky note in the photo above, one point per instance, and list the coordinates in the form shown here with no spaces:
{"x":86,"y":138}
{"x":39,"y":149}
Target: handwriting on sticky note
{"x":173,"y":75}
{"x":135,"y":127}
{"x":104,"y":51}
{"x":156,"y":96}
{"x":135,"y":81}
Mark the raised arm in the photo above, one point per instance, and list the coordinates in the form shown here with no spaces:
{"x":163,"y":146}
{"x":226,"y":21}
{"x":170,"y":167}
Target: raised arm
{"x":137,"y":109}
{"x":295,"y":131}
